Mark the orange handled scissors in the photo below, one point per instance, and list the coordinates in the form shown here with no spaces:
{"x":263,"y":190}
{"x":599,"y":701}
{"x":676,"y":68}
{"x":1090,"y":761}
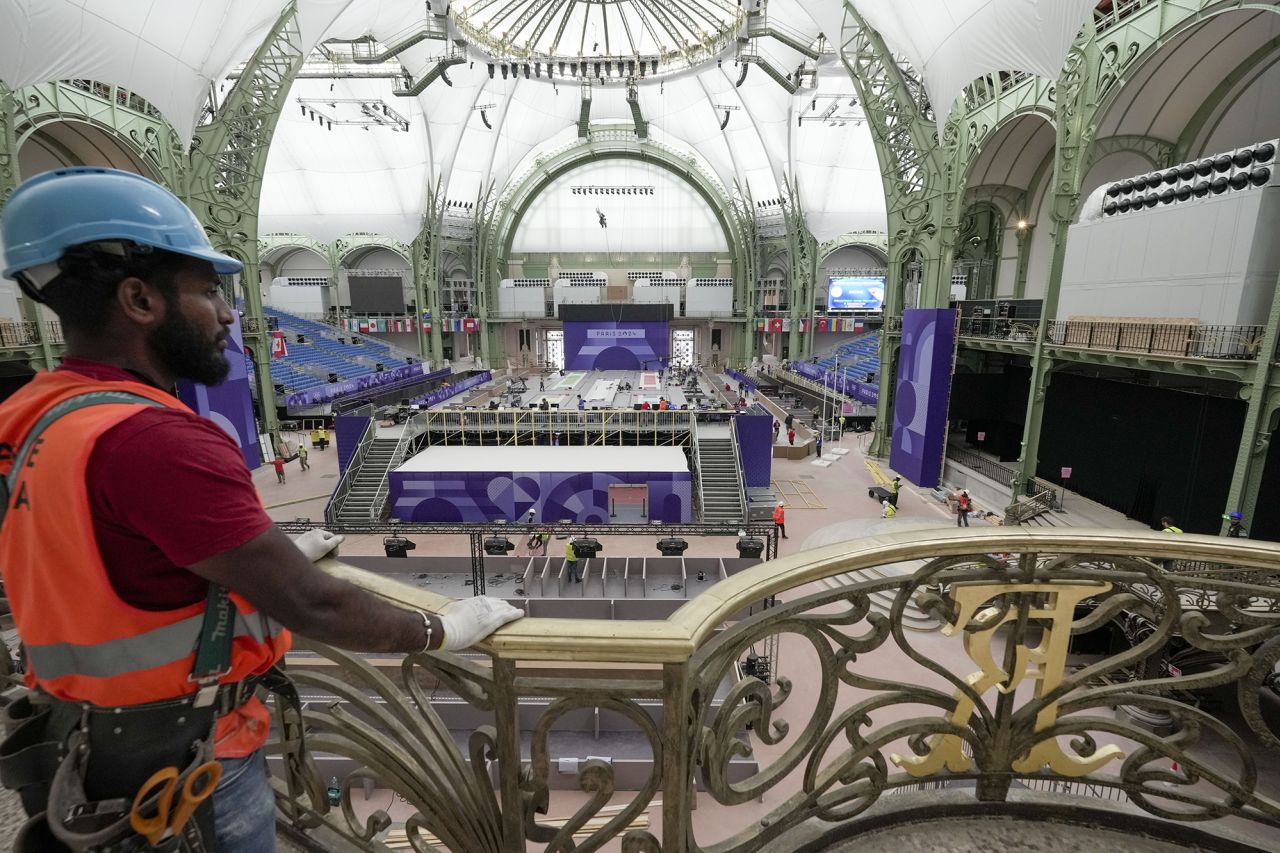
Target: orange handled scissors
{"x":170,"y":818}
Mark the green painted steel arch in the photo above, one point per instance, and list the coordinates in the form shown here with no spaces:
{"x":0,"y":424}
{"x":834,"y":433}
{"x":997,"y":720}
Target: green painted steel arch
{"x":546,"y":172}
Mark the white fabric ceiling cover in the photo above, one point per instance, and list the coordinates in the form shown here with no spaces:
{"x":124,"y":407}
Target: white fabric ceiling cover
{"x":168,"y":52}
{"x":951,"y":42}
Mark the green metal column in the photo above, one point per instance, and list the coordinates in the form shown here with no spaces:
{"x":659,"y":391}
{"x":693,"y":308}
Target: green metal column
{"x":426,"y":288}
{"x":1076,"y":106}
{"x":1024,"y":257}
{"x":228,"y":160}
{"x":9,"y":179}
{"x":1259,"y":423}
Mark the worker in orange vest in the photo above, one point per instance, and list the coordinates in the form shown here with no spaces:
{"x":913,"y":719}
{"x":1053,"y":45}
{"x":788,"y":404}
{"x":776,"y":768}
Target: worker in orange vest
{"x":152,"y":593}
{"x":780,"y":519}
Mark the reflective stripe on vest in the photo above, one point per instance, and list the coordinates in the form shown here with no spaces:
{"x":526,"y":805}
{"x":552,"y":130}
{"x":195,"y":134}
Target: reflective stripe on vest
{"x":148,"y":650}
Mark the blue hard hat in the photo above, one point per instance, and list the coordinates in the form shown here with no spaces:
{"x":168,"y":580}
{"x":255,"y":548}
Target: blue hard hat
{"x":56,"y":210}
{"x":1237,"y":516}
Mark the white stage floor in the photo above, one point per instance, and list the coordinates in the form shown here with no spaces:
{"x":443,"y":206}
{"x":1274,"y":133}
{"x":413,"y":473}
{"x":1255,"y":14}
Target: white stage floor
{"x":550,"y":459}
{"x":599,"y":389}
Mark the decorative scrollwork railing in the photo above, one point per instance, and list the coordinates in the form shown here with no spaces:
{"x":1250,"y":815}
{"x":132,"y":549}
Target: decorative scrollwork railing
{"x":988,"y":707}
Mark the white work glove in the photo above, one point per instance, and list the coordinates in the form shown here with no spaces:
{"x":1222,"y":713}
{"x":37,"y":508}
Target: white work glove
{"x":317,"y":544}
{"x":469,"y":620}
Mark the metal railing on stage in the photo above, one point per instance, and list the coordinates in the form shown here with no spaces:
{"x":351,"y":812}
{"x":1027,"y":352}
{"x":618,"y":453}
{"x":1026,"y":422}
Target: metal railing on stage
{"x":516,"y":426}
{"x":737,"y":461}
{"x":1002,"y":474}
{"x":412,"y":429}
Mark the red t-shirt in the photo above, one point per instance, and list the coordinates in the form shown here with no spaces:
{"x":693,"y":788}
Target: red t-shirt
{"x":167,"y":489}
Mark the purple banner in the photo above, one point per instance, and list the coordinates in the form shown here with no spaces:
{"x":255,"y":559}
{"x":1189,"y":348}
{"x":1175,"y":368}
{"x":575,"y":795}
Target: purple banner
{"x":863,"y":392}
{"x":921,"y":394}
{"x":755,"y":446}
{"x":743,"y":378}
{"x":441,"y":394}
{"x":488,"y":496}
{"x":229,"y":404}
{"x":620,"y":345}
{"x":347,"y":432}
{"x":334,"y":390}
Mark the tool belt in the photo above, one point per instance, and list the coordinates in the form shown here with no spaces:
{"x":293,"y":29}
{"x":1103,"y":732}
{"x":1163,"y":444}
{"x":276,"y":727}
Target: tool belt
{"x":77,"y":767}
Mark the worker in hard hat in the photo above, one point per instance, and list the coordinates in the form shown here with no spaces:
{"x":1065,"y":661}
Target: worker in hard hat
{"x":150,"y":589}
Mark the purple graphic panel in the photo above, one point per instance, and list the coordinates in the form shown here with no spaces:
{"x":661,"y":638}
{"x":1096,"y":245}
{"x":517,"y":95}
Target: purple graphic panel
{"x":229,"y":405}
{"x":616,"y":345}
{"x":347,"y":432}
{"x":444,"y":393}
{"x":755,"y":446}
{"x":863,"y":392}
{"x":426,"y":496}
{"x":325,"y":393}
{"x":921,"y":395}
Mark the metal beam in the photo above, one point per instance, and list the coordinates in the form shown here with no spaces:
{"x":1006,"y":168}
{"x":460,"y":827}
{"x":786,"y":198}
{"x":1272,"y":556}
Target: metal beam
{"x":228,"y":159}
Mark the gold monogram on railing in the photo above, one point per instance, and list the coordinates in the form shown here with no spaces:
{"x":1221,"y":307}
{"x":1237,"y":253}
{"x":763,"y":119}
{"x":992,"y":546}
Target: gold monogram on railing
{"x":1049,"y":605}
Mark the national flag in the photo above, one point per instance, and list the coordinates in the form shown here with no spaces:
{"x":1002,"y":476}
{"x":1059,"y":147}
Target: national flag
{"x":279,"y":347}
{"x":470,"y":324}
{"x":760,"y":325}
{"x":775,"y":324}
{"x":857,"y":327}
{"x":363,"y":326}
{"x":822,"y":324}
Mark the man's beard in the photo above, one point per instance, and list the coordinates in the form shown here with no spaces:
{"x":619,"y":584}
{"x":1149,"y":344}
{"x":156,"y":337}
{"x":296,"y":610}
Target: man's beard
{"x":186,"y":353}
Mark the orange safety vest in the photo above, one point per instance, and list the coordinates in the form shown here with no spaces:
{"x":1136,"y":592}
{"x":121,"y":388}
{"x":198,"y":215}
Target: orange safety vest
{"x":964,"y":503}
{"x":83,"y":643}
{"x":779,"y":517}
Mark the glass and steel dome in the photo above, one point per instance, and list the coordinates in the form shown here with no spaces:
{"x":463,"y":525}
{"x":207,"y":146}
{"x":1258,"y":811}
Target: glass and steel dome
{"x":677,"y":34}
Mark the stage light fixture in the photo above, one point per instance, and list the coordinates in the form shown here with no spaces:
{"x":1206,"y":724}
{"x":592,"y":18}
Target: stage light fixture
{"x":750,"y":547}
{"x":1110,"y":208}
{"x":1140,"y":183}
{"x":1201,"y":189}
{"x":587,"y":548}
{"x":672,"y":547}
{"x":1186,"y":171}
{"x":1113,"y":190}
{"x":490,"y":70}
{"x":1264,"y":152}
{"x":1151,"y":199}
{"x":1123,"y":206}
{"x":1218,"y":186}
{"x":1260,"y":176}
{"x":504,"y":71}
{"x":653,"y":64}
{"x":1167,"y":196}
{"x":498,"y":546}
{"x":1239,"y":180}
{"x":1126,"y":186}
{"x":1171,"y":177}
{"x":1222,"y":163}
{"x":1242,"y":158}
{"x":397,"y":546}
{"x":561,"y":69}
{"x":1183,"y":192}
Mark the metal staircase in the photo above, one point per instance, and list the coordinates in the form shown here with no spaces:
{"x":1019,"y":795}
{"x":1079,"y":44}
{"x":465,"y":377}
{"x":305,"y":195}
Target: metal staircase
{"x":360,"y":499}
{"x":721,"y":480}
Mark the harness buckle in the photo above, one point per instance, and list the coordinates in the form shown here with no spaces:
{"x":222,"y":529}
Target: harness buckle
{"x":207,"y":692}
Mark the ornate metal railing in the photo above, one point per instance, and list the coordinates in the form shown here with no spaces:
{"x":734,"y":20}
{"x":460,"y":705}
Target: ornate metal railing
{"x":988,"y":706}
{"x":1112,"y":12}
{"x":1182,"y":340}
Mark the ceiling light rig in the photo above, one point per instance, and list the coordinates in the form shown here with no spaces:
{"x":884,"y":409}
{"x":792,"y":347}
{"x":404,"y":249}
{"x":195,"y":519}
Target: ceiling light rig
{"x":842,"y":110}
{"x":353,"y":112}
{"x":633,"y":189}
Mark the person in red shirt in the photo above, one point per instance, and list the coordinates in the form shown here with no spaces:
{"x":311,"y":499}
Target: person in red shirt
{"x":278,"y":464}
{"x":130,"y":273}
